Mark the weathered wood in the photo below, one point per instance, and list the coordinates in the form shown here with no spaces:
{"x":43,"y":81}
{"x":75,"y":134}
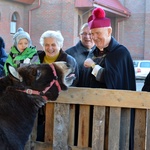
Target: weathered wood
{"x":49,"y":122}
{"x":105,"y":97}
{"x":32,"y":137}
{"x":114,"y":129}
{"x":111,"y":120}
{"x":125,"y":128}
{"x":41,"y":146}
{"x":72,"y":125}
{"x":147,"y":145}
{"x":106,"y":128}
{"x":140,"y":129}
{"x":61,"y":126}
{"x":83,"y":134}
{"x":98,"y":128}
{"x":80,"y":148}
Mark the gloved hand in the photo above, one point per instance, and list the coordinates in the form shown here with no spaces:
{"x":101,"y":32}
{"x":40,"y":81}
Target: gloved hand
{"x":26,"y":61}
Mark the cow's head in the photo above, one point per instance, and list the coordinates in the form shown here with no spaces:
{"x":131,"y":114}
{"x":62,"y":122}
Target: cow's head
{"x":46,"y":79}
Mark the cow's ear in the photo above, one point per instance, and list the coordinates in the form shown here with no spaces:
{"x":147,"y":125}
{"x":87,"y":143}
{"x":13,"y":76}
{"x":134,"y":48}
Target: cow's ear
{"x":12,"y":71}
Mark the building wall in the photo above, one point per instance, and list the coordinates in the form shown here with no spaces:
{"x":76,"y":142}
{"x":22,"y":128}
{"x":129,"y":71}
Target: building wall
{"x":147,"y":30}
{"x":134,"y":31}
{"x":42,"y":15}
{"x":54,"y":15}
{"x":36,"y":19}
{"x":134,"y":28}
{"x":6,"y":11}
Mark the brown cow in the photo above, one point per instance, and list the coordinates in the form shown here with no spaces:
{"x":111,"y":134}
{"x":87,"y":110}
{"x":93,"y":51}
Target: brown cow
{"x":22,"y":93}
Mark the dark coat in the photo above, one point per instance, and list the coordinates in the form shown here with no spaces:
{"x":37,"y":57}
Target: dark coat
{"x":118,"y":68}
{"x":146,"y":86}
{"x":80,"y":53}
{"x":63,"y":57}
{"x":3,"y":56}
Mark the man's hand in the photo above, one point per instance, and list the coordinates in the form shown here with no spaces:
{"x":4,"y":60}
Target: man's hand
{"x":89,"y":63}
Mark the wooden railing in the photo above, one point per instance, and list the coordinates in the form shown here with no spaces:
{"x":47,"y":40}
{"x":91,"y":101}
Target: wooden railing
{"x":96,"y":119}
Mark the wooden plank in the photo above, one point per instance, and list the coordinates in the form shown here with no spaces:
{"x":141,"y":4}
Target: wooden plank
{"x":105,"y":97}
{"x":34,"y":130}
{"x":80,"y":148}
{"x":28,"y":144}
{"x":98,"y":128}
{"x":114,"y":128}
{"x":147,"y":130}
{"x":72,"y":125}
{"x":140,"y":128}
{"x":107,"y":109}
{"x":61,"y":126}
{"x":125,"y":128}
{"x":49,"y":122}
{"x":83,"y":134}
{"x":99,"y":98}
{"x":41,"y":146}
{"x":32,"y":136}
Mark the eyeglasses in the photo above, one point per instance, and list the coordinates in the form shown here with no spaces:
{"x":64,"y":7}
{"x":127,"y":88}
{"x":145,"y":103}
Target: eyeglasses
{"x":85,"y":34}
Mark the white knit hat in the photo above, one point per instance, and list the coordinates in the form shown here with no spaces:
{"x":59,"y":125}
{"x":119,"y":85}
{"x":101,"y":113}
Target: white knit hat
{"x":21,"y":34}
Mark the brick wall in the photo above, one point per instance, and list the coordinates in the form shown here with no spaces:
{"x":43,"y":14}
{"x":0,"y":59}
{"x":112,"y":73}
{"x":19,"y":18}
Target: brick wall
{"x":54,"y":15}
{"x":6,"y":11}
{"x":61,"y":15}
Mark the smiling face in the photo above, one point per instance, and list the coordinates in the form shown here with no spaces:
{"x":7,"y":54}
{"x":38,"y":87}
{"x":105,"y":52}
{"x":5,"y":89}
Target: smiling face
{"x":101,"y":36}
{"x":51,"y":47}
{"x":85,"y":37}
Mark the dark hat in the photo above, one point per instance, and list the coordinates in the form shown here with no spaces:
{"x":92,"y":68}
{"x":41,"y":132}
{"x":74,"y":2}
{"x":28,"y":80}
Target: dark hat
{"x":21,"y":34}
{"x":98,"y":19}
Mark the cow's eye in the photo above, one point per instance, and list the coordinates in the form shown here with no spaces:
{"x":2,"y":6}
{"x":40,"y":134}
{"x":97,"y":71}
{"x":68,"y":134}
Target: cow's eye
{"x":38,"y":74}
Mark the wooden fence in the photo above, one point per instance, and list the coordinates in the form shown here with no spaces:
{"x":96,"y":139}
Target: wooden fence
{"x":96,"y":119}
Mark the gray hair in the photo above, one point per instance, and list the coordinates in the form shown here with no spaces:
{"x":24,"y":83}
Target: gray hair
{"x":83,"y":26}
{"x":52,"y":34}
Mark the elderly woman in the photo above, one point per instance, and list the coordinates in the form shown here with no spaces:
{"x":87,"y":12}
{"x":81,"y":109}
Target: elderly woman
{"x":52,"y":43}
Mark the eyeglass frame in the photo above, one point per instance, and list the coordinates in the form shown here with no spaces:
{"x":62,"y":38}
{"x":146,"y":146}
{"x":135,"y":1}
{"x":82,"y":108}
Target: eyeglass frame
{"x":85,"y":34}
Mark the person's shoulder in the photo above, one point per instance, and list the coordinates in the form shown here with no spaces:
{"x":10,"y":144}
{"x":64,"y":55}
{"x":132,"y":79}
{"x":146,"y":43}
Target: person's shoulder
{"x":75,"y":47}
{"x":123,"y":49}
{"x":13,"y":50}
{"x":71,"y":58}
{"x":41,"y":53}
{"x":70,"y":49}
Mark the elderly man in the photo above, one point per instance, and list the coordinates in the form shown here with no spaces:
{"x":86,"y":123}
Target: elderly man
{"x":80,"y":52}
{"x":110,"y":62}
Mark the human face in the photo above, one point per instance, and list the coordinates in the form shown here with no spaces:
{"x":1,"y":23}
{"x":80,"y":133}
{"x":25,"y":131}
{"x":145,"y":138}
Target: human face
{"x":22,"y":44}
{"x":51,"y":47}
{"x":86,"y":39}
{"x":101,"y":36}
